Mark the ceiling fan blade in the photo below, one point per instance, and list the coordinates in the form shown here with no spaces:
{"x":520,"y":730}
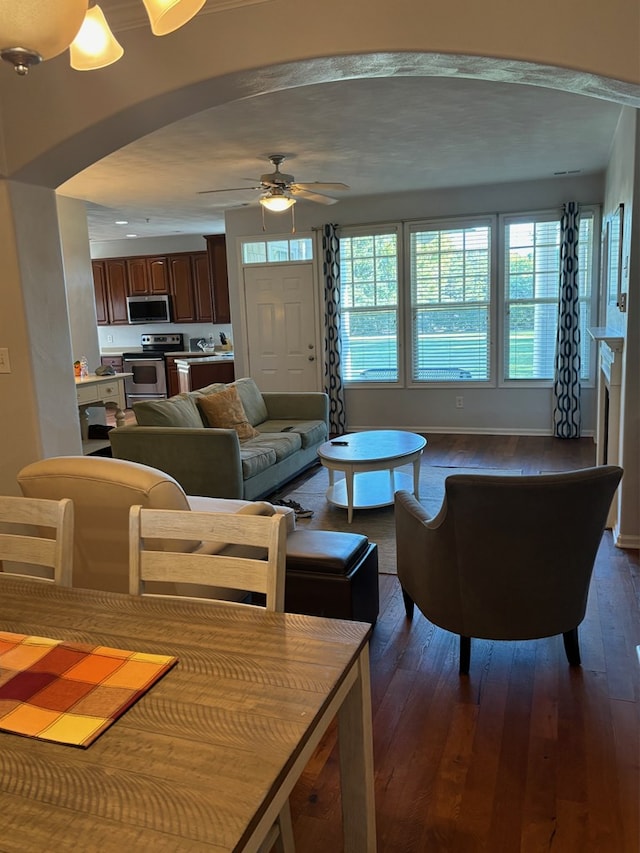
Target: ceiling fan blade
{"x":297,"y":191}
{"x":229,"y":190}
{"x":321,"y":186}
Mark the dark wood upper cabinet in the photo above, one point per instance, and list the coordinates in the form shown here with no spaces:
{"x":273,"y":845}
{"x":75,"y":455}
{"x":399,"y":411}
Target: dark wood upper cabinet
{"x":148,"y":276}
{"x":100,"y":291}
{"x":181,"y":277}
{"x":217,"y":251}
{"x":196,"y":281}
{"x":158,"y":276}
{"x":202,"y":288}
{"x":117,"y":290}
{"x":110,"y":288}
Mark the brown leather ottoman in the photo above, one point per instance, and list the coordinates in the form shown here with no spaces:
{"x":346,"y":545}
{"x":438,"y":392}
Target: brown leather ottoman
{"x":332,"y":574}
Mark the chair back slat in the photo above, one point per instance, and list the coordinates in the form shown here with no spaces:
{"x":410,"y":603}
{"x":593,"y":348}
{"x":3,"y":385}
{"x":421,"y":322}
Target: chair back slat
{"x":37,"y":532}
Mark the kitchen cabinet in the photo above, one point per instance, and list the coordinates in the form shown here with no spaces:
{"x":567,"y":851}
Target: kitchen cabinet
{"x":114,"y":361}
{"x":110,"y":288}
{"x":148,"y":276}
{"x":191,"y":291}
{"x":100,"y":291}
{"x":197,"y":283}
{"x":203,"y":288}
{"x":182,"y":297}
{"x":217,"y":254}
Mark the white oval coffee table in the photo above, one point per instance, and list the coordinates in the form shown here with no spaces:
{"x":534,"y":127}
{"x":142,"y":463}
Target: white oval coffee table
{"x":368,"y":461}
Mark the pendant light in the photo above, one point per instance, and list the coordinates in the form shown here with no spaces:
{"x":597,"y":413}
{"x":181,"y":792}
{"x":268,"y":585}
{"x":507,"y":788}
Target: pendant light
{"x":166,"y":16}
{"x":95,"y":46}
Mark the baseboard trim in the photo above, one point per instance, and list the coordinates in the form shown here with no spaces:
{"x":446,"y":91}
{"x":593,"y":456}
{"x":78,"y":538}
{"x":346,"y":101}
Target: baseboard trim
{"x":631,"y":543}
{"x":444,"y":430}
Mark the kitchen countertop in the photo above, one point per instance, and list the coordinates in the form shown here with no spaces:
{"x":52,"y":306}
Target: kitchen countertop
{"x":206,"y":358}
{"x":118,"y":351}
{"x":196,"y":353}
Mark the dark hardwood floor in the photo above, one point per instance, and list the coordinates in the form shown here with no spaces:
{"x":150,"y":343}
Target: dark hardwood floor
{"x":525,"y":754}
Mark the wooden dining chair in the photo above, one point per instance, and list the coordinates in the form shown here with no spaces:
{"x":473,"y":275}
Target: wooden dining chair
{"x":37,"y":532}
{"x":220,"y":551}
{"x":212,"y":549}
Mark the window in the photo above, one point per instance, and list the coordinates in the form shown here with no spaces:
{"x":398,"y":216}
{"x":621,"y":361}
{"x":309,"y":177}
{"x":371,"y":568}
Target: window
{"x":532,"y":289}
{"x":369,"y":306}
{"x":450,"y":301}
{"x":277,"y":250}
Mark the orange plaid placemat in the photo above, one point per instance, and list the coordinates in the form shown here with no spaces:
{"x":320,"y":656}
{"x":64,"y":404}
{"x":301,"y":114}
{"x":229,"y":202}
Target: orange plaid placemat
{"x":70,"y":692}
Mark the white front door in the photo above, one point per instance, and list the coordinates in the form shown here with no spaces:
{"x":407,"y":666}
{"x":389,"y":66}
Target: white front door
{"x":282,"y":327}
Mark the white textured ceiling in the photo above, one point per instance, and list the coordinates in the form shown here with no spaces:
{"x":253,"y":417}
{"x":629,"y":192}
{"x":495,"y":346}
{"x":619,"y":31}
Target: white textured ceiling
{"x":377,"y":135}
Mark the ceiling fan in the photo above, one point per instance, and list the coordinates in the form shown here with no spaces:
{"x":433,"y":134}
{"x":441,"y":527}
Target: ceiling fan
{"x":280,"y":190}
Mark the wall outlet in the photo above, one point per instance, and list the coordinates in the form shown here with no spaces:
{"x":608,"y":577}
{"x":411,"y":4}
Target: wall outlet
{"x":459,"y":402}
{"x":109,"y":339}
{"x":5,"y":364}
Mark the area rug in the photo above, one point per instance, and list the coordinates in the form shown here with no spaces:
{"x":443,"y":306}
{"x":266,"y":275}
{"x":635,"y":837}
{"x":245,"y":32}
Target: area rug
{"x":377,"y":524}
{"x":70,"y":692}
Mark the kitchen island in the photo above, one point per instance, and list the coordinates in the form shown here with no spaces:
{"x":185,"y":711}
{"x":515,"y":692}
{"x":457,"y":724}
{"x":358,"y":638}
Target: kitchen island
{"x":92,"y":391}
{"x":199,"y":372}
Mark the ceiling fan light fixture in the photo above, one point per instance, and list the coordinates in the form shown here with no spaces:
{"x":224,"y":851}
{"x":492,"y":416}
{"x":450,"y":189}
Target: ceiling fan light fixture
{"x":95,"y":46}
{"x":166,"y":16}
{"x":277,"y":202}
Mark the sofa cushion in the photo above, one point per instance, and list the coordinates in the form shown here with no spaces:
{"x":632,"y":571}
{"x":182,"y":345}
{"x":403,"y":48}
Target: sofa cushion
{"x":310,"y":432}
{"x":176,"y":412}
{"x":254,"y":406}
{"x":224,"y":409}
{"x":282,"y":443}
{"x":255,"y":458}
{"x":208,"y":389}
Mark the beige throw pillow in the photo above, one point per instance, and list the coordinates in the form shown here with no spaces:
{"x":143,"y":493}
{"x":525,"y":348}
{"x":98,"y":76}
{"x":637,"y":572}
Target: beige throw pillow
{"x":224,"y":410}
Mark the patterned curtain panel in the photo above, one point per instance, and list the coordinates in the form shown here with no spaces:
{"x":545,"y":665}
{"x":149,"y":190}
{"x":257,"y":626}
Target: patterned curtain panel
{"x":566,"y":387}
{"x":332,"y":358}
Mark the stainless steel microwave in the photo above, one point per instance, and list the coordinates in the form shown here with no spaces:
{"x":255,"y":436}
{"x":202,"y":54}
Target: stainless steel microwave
{"x":148,"y":309}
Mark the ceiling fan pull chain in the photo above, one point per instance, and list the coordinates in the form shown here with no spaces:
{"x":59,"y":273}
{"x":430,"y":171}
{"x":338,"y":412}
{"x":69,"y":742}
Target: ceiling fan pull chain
{"x":293,"y":219}
{"x":264,"y":227}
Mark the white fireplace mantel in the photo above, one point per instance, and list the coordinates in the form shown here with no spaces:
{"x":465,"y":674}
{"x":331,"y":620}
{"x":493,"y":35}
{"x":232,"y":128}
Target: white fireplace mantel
{"x":611,"y":347}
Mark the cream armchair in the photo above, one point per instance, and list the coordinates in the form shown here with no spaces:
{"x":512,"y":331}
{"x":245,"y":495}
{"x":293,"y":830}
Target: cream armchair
{"x":506,"y":558}
{"x":102,"y":491}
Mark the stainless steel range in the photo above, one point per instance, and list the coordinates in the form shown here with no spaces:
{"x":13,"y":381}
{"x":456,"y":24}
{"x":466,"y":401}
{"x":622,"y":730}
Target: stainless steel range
{"x":149,"y":379}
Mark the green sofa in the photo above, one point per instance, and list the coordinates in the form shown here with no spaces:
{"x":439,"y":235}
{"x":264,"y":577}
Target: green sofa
{"x":174,"y":436}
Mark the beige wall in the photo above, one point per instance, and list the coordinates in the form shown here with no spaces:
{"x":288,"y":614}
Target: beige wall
{"x":39,"y":415}
{"x":577,"y":46}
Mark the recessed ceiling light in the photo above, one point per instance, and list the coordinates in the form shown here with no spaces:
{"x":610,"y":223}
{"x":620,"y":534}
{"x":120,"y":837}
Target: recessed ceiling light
{"x":130,"y":235}
{"x":122,"y":221}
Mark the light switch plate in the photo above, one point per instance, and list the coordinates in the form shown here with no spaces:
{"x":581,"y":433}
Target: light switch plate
{"x":5,"y":364}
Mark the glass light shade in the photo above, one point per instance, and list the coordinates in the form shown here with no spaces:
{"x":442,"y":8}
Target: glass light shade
{"x":46,"y":28}
{"x":277,"y":203}
{"x":165,"y":16}
{"x":95,"y":46}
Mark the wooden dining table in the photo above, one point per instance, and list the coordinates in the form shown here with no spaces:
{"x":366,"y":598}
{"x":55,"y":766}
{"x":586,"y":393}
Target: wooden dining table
{"x":207,"y":758}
